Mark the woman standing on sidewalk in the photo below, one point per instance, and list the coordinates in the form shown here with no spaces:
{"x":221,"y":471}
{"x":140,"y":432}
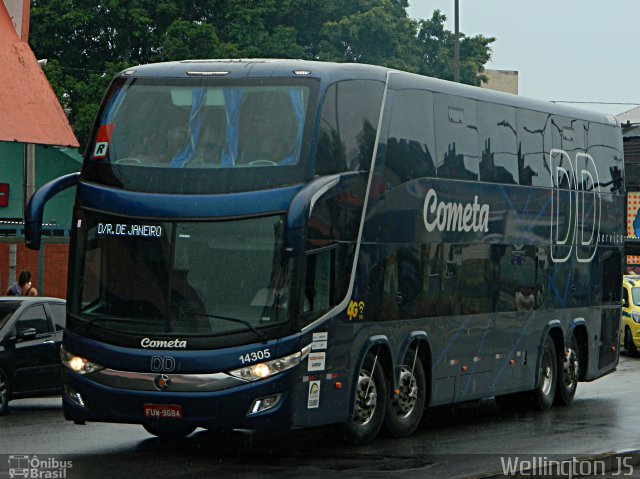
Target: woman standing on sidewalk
{"x":23,"y":287}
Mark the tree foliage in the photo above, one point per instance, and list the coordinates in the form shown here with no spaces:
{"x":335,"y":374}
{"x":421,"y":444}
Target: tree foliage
{"x":88,"y":41}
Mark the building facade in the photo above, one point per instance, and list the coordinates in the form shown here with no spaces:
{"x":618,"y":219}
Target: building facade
{"x":49,"y":264}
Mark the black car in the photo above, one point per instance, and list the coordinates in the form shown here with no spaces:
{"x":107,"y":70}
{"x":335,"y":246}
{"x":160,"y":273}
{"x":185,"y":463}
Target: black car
{"x":30,"y":338}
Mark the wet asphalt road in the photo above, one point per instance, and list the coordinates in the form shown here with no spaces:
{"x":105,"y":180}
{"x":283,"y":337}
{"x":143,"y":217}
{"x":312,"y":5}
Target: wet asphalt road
{"x":469,"y":439}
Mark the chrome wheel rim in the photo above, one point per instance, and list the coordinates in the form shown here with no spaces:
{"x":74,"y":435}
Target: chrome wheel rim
{"x":408,"y":392}
{"x":546,"y":372}
{"x":366,"y":398}
{"x":570,"y":368}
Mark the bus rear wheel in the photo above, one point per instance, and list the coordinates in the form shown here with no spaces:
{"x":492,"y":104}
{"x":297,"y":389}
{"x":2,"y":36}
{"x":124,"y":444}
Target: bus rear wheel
{"x":568,"y":373}
{"x":369,"y":403}
{"x":542,"y":397}
{"x":405,"y":410}
{"x":164,"y":431}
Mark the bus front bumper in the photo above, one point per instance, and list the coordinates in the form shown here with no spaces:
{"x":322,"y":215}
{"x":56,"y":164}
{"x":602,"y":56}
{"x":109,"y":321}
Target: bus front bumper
{"x":235,"y":408}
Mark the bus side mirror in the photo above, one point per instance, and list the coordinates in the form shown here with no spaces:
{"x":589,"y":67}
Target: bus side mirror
{"x":300,"y":211}
{"x":35,"y":207}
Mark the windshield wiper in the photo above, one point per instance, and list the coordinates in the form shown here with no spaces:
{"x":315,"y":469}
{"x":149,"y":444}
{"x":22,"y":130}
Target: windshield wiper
{"x":234,"y":320}
{"x":86,"y":323}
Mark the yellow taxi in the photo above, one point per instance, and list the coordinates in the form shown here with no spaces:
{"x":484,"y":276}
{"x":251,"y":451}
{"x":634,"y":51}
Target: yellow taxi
{"x":630,"y":321}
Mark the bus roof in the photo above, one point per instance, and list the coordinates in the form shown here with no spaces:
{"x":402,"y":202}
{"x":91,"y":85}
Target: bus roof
{"x":330,"y":72}
{"x":260,"y":68}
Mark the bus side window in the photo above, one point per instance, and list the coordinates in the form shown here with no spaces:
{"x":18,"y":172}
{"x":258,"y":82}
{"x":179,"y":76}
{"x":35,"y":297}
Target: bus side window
{"x":328,"y":271}
{"x":534,"y":145}
{"x":456,"y":137}
{"x":319,"y":282}
{"x":608,"y":159}
{"x":611,"y":274}
{"x":497,"y":143}
{"x":411,"y":138}
{"x":348,"y":126}
{"x":569,"y":136}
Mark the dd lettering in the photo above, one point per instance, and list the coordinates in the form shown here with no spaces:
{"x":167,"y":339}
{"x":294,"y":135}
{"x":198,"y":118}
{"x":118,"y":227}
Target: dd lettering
{"x":162,"y":364}
{"x":575,"y":207}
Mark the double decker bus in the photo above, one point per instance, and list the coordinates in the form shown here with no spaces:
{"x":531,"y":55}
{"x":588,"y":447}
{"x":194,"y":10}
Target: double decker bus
{"x":276,"y":244}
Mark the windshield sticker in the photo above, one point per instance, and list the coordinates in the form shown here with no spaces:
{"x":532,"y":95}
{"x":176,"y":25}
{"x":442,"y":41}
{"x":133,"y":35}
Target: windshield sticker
{"x":316,"y":361}
{"x":313,"y":401}
{"x":118,"y":229}
{"x":319,"y":341}
{"x":102,"y":141}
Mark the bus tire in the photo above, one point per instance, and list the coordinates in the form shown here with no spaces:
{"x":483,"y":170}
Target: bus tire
{"x":542,"y":397}
{"x":167,"y":432}
{"x":568,"y":374}
{"x":4,"y":393}
{"x":629,"y":345}
{"x":405,"y":410}
{"x":369,"y":403}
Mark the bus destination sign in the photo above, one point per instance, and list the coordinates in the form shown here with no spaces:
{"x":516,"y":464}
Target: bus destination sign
{"x":119,"y":229}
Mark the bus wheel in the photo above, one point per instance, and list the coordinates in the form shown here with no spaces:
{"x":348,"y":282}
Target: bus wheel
{"x":542,"y":396}
{"x":629,"y":345}
{"x":369,"y":404}
{"x":404,"y":411}
{"x":4,"y":394}
{"x":568,"y":374}
{"x":167,"y":432}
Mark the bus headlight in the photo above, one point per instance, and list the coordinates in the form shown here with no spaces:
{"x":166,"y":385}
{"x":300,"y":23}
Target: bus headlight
{"x":78,"y":364}
{"x":269,"y":368}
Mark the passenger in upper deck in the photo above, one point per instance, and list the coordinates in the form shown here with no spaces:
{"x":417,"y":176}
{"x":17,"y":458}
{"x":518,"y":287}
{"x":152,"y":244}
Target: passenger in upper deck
{"x":213,"y":128}
{"x":153,"y":148}
{"x":160,"y":147}
{"x":267,"y":133}
{"x":176,"y":139}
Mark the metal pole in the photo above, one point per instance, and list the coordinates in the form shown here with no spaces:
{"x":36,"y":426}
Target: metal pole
{"x":12,"y":263}
{"x":40,"y":284}
{"x":456,"y":46}
{"x":29,"y":185}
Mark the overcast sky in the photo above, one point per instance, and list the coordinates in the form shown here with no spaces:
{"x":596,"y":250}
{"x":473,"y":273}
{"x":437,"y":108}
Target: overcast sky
{"x":579,"y":50}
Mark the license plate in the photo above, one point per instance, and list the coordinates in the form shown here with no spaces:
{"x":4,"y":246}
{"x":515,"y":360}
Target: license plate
{"x":163,"y":411}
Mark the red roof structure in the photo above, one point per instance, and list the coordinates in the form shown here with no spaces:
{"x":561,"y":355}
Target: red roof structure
{"x":29,"y":110}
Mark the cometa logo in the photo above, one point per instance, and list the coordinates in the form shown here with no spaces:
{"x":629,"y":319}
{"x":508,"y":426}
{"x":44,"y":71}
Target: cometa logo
{"x":158,"y":343}
{"x":455,"y":216}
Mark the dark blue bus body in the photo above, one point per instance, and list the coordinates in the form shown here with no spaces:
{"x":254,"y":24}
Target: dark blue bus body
{"x":412,"y":243}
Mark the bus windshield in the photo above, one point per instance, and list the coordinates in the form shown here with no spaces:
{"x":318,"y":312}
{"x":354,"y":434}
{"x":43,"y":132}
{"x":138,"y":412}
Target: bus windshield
{"x":152,"y":132}
{"x":191,"y":278}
